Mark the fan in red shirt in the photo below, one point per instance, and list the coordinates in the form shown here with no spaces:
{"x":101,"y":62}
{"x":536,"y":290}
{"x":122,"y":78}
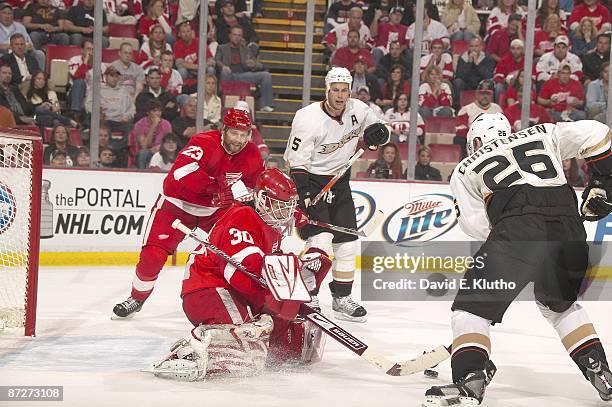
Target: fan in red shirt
{"x":213,"y":170}
{"x":186,"y":53}
{"x":386,"y":33}
{"x":593,"y":9}
{"x":563,"y":96}
{"x":345,"y":57}
{"x":239,"y":325}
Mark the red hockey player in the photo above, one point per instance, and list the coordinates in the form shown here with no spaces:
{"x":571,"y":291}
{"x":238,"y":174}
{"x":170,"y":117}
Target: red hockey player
{"x":239,"y":325}
{"x":212,"y":170}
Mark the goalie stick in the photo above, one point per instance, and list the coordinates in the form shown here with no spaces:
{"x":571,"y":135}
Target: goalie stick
{"x":418,"y":364}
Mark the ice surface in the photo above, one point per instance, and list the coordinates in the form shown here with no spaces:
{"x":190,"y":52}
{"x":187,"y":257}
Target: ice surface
{"x":98,"y":361}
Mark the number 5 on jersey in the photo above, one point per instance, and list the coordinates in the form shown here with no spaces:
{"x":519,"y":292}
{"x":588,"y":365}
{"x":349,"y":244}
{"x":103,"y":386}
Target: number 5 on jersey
{"x":296,"y":143}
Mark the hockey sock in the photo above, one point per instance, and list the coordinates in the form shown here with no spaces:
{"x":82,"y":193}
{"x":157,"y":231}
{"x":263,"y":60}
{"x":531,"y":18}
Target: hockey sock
{"x":471,"y":344}
{"x":152,"y":259}
{"x":586,"y":347}
{"x":343,"y":272}
{"x":341,"y":288}
{"x":576,"y":331}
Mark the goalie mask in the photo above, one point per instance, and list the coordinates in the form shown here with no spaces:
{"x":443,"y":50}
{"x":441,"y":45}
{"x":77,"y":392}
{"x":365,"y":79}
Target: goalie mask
{"x":275,"y":197}
{"x":236,"y":130}
{"x":487,"y":127}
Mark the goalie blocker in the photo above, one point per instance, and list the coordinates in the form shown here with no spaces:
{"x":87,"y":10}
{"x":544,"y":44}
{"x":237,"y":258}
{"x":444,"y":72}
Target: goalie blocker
{"x":240,"y":327}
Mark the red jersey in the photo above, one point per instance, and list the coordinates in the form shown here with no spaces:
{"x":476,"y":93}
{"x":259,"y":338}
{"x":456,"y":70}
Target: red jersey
{"x":552,"y":87}
{"x":242,"y":235}
{"x":600,"y":16}
{"x":200,"y":168}
{"x":507,"y":66}
{"x":189,"y":52}
{"x":387,"y":33}
{"x":345,"y":58}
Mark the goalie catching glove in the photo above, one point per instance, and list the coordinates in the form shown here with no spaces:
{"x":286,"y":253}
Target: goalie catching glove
{"x":596,"y":203}
{"x":376,"y":134}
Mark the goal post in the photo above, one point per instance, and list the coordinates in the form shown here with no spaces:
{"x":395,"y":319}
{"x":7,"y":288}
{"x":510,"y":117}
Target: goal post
{"x":21,"y":159}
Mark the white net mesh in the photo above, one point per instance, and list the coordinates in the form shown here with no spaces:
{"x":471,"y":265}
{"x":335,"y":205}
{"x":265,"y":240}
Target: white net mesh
{"x":16,"y":157}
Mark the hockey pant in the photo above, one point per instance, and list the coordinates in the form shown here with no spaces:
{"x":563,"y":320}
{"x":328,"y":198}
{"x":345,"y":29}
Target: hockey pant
{"x":160,"y":240}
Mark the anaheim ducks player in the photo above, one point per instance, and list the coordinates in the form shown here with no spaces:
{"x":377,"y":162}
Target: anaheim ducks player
{"x":511,"y":191}
{"x":324,"y":135}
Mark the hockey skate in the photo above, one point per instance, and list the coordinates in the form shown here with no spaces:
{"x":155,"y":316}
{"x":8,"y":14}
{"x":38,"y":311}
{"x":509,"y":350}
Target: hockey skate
{"x":598,"y":373}
{"x":345,"y":308}
{"x":127,"y":309}
{"x":469,"y":391}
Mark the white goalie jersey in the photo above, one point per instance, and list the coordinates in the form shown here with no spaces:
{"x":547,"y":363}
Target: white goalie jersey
{"x":319,"y":143}
{"x":532,"y":156}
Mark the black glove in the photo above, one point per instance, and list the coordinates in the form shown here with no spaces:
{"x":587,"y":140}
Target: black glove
{"x":595,"y":204}
{"x":304,"y":188}
{"x":375,"y":135}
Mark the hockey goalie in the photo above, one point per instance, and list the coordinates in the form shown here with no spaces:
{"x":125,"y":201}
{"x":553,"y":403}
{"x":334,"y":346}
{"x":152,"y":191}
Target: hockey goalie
{"x":240,"y":327}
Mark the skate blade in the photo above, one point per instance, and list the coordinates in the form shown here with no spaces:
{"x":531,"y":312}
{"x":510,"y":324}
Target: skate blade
{"x":449,"y":401}
{"x":116,"y":317}
{"x":344,"y":317}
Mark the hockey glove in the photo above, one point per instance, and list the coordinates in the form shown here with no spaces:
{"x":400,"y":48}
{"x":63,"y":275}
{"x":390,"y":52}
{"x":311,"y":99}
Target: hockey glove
{"x":228,"y":193}
{"x":595,"y":201}
{"x":376,"y":134}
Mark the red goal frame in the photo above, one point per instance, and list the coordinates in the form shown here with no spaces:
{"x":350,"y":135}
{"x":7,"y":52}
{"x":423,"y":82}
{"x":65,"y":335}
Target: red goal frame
{"x":31,"y":292}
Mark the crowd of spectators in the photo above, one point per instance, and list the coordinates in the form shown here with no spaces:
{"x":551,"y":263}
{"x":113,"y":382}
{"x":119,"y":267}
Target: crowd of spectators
{"x":147,"y":100}
{"x":570,"y":72}
{"x":148,"y":91}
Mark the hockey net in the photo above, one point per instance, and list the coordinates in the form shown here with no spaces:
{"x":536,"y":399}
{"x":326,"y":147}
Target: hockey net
{"x":20,"y":196}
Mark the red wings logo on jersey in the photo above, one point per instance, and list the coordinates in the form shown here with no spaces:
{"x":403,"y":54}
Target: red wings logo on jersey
{"x":331,"y":147}
{"x":233,"y":177}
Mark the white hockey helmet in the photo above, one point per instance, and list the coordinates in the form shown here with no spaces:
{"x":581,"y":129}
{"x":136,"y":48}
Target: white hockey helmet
{"x":337,"y":75}
{"x":487,"y":127}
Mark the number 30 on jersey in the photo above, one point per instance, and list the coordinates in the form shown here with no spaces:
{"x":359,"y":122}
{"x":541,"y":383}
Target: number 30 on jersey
{"x":239,"y":236}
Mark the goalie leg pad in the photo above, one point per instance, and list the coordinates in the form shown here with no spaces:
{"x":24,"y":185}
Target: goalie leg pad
{"x":218,"y":350}
{"x":186,"y":362}
{"x":296,"y":342}
{"x":237,"y":350}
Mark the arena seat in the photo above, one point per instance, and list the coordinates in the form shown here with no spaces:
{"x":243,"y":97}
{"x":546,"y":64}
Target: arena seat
{"x":445,"y":153}
{"x":439,"y":130}
{"x":62,"y":52}
{"x":122,"y":30}
{"x":235,"y":88}
{"x":109,"y":55}
{"x":115,"y":42}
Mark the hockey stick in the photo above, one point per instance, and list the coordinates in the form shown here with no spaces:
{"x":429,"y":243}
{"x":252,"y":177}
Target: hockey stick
{"x":338,"y":175}
{"x":365,"y":231}
{"x":345,"y":338}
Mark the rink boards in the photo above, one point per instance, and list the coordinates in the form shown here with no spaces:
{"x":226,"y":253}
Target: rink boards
{"x":99,"y":217}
